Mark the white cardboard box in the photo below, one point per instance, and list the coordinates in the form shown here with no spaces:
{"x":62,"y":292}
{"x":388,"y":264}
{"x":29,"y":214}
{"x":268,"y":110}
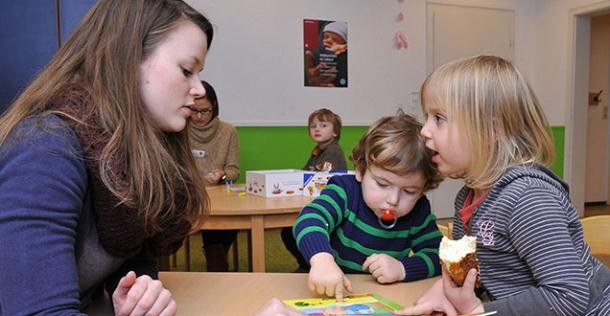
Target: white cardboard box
{"x":275,"y":183}
{"x":314,"y":182}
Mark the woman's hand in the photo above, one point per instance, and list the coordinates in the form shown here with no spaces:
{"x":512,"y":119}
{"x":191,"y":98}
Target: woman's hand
{"x":142,"y":296}
{"x":325,"y":277}
{"x":431,"y":302}
{"x":214,"y":176}
{"x":385,"y":269}
{"x":275,"y":307}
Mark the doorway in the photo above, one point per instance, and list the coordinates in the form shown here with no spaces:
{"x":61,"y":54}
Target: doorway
{"x":452,"y":32}
{"x":578,"y":138}
{"x":596,"y":181}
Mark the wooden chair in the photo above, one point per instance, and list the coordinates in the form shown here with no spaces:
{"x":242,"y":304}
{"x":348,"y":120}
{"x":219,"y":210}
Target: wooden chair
{"x":187,"y":255}
{"x":450,"y":229}
{"x":596,"y":231}
{"x":447,"y":229}
{"x":444,"y":229}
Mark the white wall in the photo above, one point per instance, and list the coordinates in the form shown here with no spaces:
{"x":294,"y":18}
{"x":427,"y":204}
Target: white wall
{"x":552,"y":29}
{"x":256,"y":59}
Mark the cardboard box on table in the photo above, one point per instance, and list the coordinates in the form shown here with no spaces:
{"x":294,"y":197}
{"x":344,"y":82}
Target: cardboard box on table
{"x":314,"y":182}
{"x":275,"y":183}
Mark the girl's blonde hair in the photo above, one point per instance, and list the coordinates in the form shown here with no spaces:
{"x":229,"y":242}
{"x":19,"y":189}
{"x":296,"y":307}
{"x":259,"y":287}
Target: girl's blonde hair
{"x":496,"y":113}
{"x":394,"y":143}
{"x":103,"y":56}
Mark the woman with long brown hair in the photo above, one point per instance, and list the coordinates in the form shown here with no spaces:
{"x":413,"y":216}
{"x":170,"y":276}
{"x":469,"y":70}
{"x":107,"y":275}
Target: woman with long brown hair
{"x":96,"y":174}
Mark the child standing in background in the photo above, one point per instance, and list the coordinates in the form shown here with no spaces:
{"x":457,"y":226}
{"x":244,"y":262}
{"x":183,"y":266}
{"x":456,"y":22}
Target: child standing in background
{"x":325,"y":130}
{"x":486,"y":126}
{"x":371,"y":221}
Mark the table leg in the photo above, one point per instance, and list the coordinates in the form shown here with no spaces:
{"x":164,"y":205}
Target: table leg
{"x":258,"y":244}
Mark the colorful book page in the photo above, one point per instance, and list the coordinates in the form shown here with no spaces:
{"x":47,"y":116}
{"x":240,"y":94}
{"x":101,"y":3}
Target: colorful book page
{"x":360,"y":304}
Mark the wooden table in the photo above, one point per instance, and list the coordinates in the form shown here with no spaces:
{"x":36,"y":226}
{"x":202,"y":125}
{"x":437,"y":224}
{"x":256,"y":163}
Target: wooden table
{"x":206,"y":293}
{"x":238,"y":210}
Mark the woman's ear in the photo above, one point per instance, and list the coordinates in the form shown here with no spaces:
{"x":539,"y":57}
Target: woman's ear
{"x":358,"y":175}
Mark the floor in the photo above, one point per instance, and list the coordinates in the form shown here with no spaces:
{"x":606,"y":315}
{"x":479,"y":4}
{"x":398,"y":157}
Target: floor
{"x":278,"y":259}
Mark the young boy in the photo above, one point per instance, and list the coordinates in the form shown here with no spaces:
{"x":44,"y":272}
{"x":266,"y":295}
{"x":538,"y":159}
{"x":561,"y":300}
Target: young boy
{"x":325,"y":130}
{"x":371,"y":221}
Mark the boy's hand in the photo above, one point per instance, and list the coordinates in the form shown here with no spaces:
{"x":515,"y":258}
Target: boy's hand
{"x":142,"y":296}
{"x":325,"y":276}
{"x":385,"y":269}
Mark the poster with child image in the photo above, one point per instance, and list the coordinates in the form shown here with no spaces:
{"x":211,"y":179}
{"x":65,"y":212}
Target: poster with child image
{"x":325,"y":53}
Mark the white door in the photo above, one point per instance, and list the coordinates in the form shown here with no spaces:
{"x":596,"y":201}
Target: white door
{"x":458,"y":31}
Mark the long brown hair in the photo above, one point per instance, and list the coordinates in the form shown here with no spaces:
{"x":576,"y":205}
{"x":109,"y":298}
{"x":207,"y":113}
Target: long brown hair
{"x":103,"y":56}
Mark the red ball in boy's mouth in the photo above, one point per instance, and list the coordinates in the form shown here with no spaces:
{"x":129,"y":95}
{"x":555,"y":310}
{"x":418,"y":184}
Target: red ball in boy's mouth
{"x":387,"y":215}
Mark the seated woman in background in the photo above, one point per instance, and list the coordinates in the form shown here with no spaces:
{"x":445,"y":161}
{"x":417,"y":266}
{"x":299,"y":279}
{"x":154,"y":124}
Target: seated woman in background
{"x":216,"y":150}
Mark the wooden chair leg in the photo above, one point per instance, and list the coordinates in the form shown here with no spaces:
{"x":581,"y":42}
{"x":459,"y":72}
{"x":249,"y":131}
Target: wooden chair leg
{"x":174,"y":259}
{"x":163,"y":263}
{"x":249,"y":234}
{"x":187,"y":253}
{"x":235,"y":256}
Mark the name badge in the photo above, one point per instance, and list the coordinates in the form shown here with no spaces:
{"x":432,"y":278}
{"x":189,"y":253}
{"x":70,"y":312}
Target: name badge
{"x":198,"y":153}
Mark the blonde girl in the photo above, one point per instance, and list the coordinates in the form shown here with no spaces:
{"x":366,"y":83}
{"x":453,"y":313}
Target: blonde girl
{"x":486,"y":126}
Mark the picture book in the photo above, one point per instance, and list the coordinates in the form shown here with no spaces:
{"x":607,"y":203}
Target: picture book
{"x":360,"y":304}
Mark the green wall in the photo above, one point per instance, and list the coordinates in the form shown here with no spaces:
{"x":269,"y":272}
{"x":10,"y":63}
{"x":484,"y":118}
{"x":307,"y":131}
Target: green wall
{"x":285,"y":147}
{"x":558,"y":133}
{"x":289,"y":147}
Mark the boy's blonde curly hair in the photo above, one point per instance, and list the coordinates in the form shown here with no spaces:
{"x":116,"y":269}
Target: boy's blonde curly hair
{"x":394,"y":143}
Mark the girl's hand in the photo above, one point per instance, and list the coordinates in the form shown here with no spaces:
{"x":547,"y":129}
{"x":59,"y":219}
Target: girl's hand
{"x":275,"y":307}
{"x":463,"y":298}
{"x":432,"y":302}
{"x":325,"y":277}
{"x":385,"y":269}
{"x":142,"y":296}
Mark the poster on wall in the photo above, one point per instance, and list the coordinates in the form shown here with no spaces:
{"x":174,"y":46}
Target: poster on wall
{"x":325,"y":53}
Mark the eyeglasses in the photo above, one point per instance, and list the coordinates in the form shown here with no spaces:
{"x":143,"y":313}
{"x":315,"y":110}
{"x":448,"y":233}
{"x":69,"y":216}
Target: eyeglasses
{"x":206,"y":111}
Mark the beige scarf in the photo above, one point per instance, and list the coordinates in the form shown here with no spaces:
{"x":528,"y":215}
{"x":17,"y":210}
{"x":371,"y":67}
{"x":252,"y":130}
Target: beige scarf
{"x":205,"y":134}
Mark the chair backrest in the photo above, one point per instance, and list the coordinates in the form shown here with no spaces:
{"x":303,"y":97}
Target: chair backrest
{"x":444,"y":229}
{"x":450,"y":229}
{"x":596,"y":230}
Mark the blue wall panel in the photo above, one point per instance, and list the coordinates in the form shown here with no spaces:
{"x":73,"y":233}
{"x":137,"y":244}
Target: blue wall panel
{"x":28,"y":39}
{"x":71,"y":12}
